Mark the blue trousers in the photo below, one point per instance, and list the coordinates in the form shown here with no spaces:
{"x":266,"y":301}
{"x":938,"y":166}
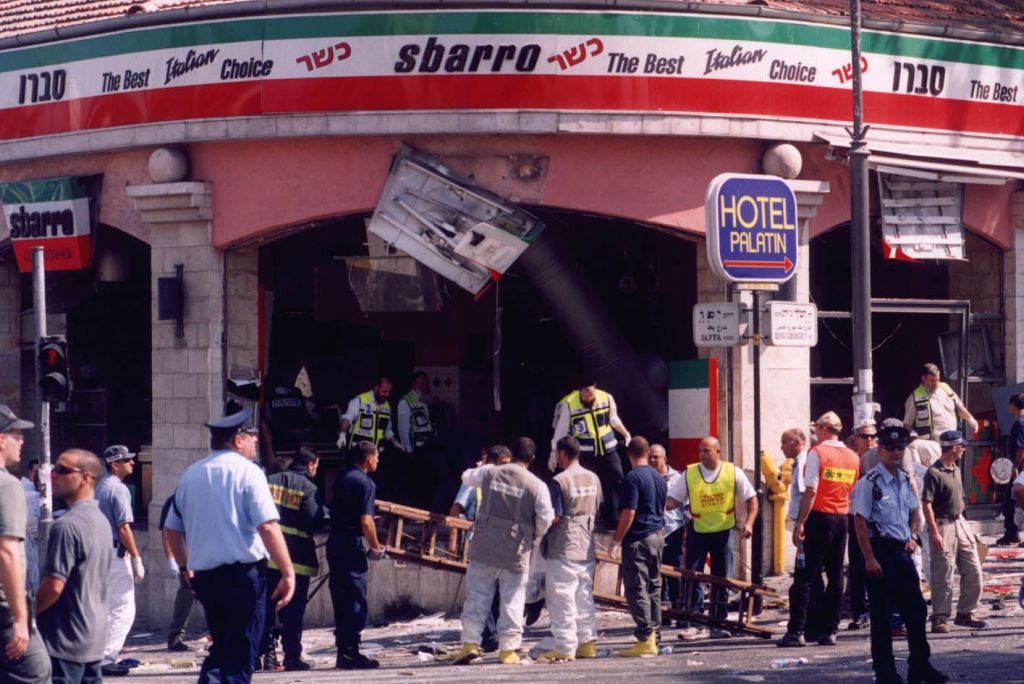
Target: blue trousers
{"x":899,"y":589}
{"x":289,"y":620}
{"x":32,"y":668}
{"x":698,"y":546}
{"x":68,"y":672}
{"x":346,"y":557}
{"x":234,"y":597}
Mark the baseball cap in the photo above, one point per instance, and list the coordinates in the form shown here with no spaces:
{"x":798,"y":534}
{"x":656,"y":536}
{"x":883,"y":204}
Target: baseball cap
{"x":117,"y":452}
{"x":240,"y":421}
{"x":951,"y":438}
{"x":9,"y":421}
{"x":830,"y":420}
{"x":894,"y":435}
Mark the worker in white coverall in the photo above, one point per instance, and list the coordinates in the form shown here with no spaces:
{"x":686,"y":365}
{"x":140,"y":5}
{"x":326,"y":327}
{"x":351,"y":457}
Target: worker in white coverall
{"x":126,"y":569}
{"x":515,"y":509}
{"x":569,"y":552}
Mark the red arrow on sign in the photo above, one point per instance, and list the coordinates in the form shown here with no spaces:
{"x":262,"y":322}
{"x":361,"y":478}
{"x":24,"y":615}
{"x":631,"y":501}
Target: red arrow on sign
{"x":785,"y":264}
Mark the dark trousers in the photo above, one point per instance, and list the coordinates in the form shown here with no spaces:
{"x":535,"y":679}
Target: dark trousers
{"x":824,"y":548}
{"x":897,"y":588}
{"x":32,"y":668}
{"x":673,"y":556}
{"x":68,"y":672}
{"x":183,"y":602}
{"x":234,"y":597}
{"x":641,"y":576}
{"x":699,"y":545}
{"x":858,"y":576}
{"x":287,"y":622}
{"x":813,"y":629}
{"x":608,"y":469}
{"x":1007,"y":507}
{"x":346,"y":557}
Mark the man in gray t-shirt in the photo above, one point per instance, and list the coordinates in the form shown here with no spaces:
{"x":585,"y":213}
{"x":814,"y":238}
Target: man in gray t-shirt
{"x":23,"y":657}
{"x":72,"y":598}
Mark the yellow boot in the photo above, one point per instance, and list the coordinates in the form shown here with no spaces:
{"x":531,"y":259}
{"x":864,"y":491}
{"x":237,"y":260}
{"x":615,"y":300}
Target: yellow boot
{"x":508,"y":657}
{"x":556,"y":657}
{"x":647,"y":647}
{"x":468,"y":654}
{"x":587,"y":650}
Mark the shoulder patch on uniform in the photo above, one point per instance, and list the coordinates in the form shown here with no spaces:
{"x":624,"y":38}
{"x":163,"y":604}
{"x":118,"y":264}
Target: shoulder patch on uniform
{"x":873,"y":475}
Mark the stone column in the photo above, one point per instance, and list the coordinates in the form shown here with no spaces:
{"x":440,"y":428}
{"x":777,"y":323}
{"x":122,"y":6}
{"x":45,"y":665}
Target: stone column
{"x":785,"y":371}
{"x":1014,"y":292}
{"x":188,"y":371}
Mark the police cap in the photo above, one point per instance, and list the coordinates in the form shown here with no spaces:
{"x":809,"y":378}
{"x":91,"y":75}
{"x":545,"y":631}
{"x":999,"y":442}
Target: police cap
{"x":894,"y":436}
{"x":241,"y":421}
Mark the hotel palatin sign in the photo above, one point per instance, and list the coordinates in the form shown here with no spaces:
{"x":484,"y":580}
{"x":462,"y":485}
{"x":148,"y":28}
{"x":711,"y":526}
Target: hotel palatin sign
{"x":54,"y":213}
{"x":495,"y":60}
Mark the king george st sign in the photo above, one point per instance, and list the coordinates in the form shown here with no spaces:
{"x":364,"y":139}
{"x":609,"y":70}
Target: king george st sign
{"x":751,"y":228}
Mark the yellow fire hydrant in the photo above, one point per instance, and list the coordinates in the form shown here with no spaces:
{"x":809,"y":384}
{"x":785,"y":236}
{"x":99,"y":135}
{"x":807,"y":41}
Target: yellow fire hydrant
{"x":777,"y":478}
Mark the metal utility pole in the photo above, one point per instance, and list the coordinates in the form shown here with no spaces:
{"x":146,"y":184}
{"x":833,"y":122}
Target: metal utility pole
{"x":43,"y":423}
{"x":860,"y":234}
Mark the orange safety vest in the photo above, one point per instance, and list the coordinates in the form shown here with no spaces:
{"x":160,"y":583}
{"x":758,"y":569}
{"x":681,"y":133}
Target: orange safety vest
{"x":839,"y":470}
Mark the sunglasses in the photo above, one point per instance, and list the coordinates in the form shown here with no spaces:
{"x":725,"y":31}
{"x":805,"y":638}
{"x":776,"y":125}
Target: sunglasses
{"x":61,"y":469}
{"x":868,"y":436}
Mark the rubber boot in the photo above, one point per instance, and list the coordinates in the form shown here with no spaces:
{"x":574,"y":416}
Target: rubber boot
{"x":646,"y":647}
{"x":556,"y":657}
{"x":349,"y":658}
{"x":468,"y":654}
{"x":587,"y":650}
{"x":508,"y":657}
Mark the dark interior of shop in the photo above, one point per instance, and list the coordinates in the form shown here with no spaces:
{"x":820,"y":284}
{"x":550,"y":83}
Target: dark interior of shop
{"x":902,"y":343}
{"x":645,"y":278}
{"x":105,"y":314}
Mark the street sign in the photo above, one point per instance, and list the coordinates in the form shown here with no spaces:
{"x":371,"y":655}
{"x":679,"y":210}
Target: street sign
{"x":751,"y":228}
{"x":716,"y":325}
{"x":791,"y":324}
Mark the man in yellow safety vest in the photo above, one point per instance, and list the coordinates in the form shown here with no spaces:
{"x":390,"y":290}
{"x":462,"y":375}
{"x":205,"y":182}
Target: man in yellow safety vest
{"x":710,"y":489}
{"x":933,"y":407}
{"x":590,"y":415}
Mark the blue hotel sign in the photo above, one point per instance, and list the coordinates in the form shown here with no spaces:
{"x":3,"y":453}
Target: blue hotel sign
{"x":751,"y":228}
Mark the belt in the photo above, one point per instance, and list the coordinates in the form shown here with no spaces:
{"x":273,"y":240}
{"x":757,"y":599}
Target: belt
{"x":947,"y":520}
{"x":890,"y":541}
{"x":260,"y":565}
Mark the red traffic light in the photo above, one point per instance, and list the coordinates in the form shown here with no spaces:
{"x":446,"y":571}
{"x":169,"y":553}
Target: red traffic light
{"x":54,"y":375}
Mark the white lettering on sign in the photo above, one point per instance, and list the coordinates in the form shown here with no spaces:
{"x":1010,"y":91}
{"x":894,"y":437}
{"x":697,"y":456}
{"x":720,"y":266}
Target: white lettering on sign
{"x":716,"y":325}
{"x":792,"y":324}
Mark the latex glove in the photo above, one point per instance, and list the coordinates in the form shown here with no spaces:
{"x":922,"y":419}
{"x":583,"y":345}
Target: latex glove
{"x":553,"y":462}
{"x":628,"y":437}
{"x":173,"y":571}
{"x":377,"y":554}
{"x":973,"y":425}
{"x":342,"y":440}
{"x":138,"y":571}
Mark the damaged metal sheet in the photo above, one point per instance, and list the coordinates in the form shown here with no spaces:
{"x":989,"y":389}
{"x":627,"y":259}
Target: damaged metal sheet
{"x":448,"y":223}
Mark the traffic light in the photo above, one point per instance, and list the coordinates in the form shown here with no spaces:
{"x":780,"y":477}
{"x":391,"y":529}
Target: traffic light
{"x":54,"y":376}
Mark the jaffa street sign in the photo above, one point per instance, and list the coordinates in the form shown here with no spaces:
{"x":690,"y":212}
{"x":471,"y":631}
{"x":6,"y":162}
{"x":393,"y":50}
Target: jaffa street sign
{"x":751,"y":228}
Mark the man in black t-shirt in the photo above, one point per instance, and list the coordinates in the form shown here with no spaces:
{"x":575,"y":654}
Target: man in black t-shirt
{"x":352,"y":531}
{"x":642,"y":535}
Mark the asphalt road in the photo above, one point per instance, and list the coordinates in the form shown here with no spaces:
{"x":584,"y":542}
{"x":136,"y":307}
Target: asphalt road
{"x":989,"y":656}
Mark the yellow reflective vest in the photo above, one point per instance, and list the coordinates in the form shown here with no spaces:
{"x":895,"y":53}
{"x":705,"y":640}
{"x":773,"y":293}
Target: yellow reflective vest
{"x":923,"y":407}
{"x":372,"y":420}
{"x":712,"y":504}
{"x":591,"y":425}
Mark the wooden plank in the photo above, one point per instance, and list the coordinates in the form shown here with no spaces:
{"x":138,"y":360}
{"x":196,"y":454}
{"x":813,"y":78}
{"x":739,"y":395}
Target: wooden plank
{"x":619,"y":602}
{"x":921,"y":202}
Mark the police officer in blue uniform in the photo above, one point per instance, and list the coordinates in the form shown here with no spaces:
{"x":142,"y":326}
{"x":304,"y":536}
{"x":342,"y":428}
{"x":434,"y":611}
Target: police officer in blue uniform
{"x":353,"y":538}
{"x":886,"y":517}
{"x":220,"y":529}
